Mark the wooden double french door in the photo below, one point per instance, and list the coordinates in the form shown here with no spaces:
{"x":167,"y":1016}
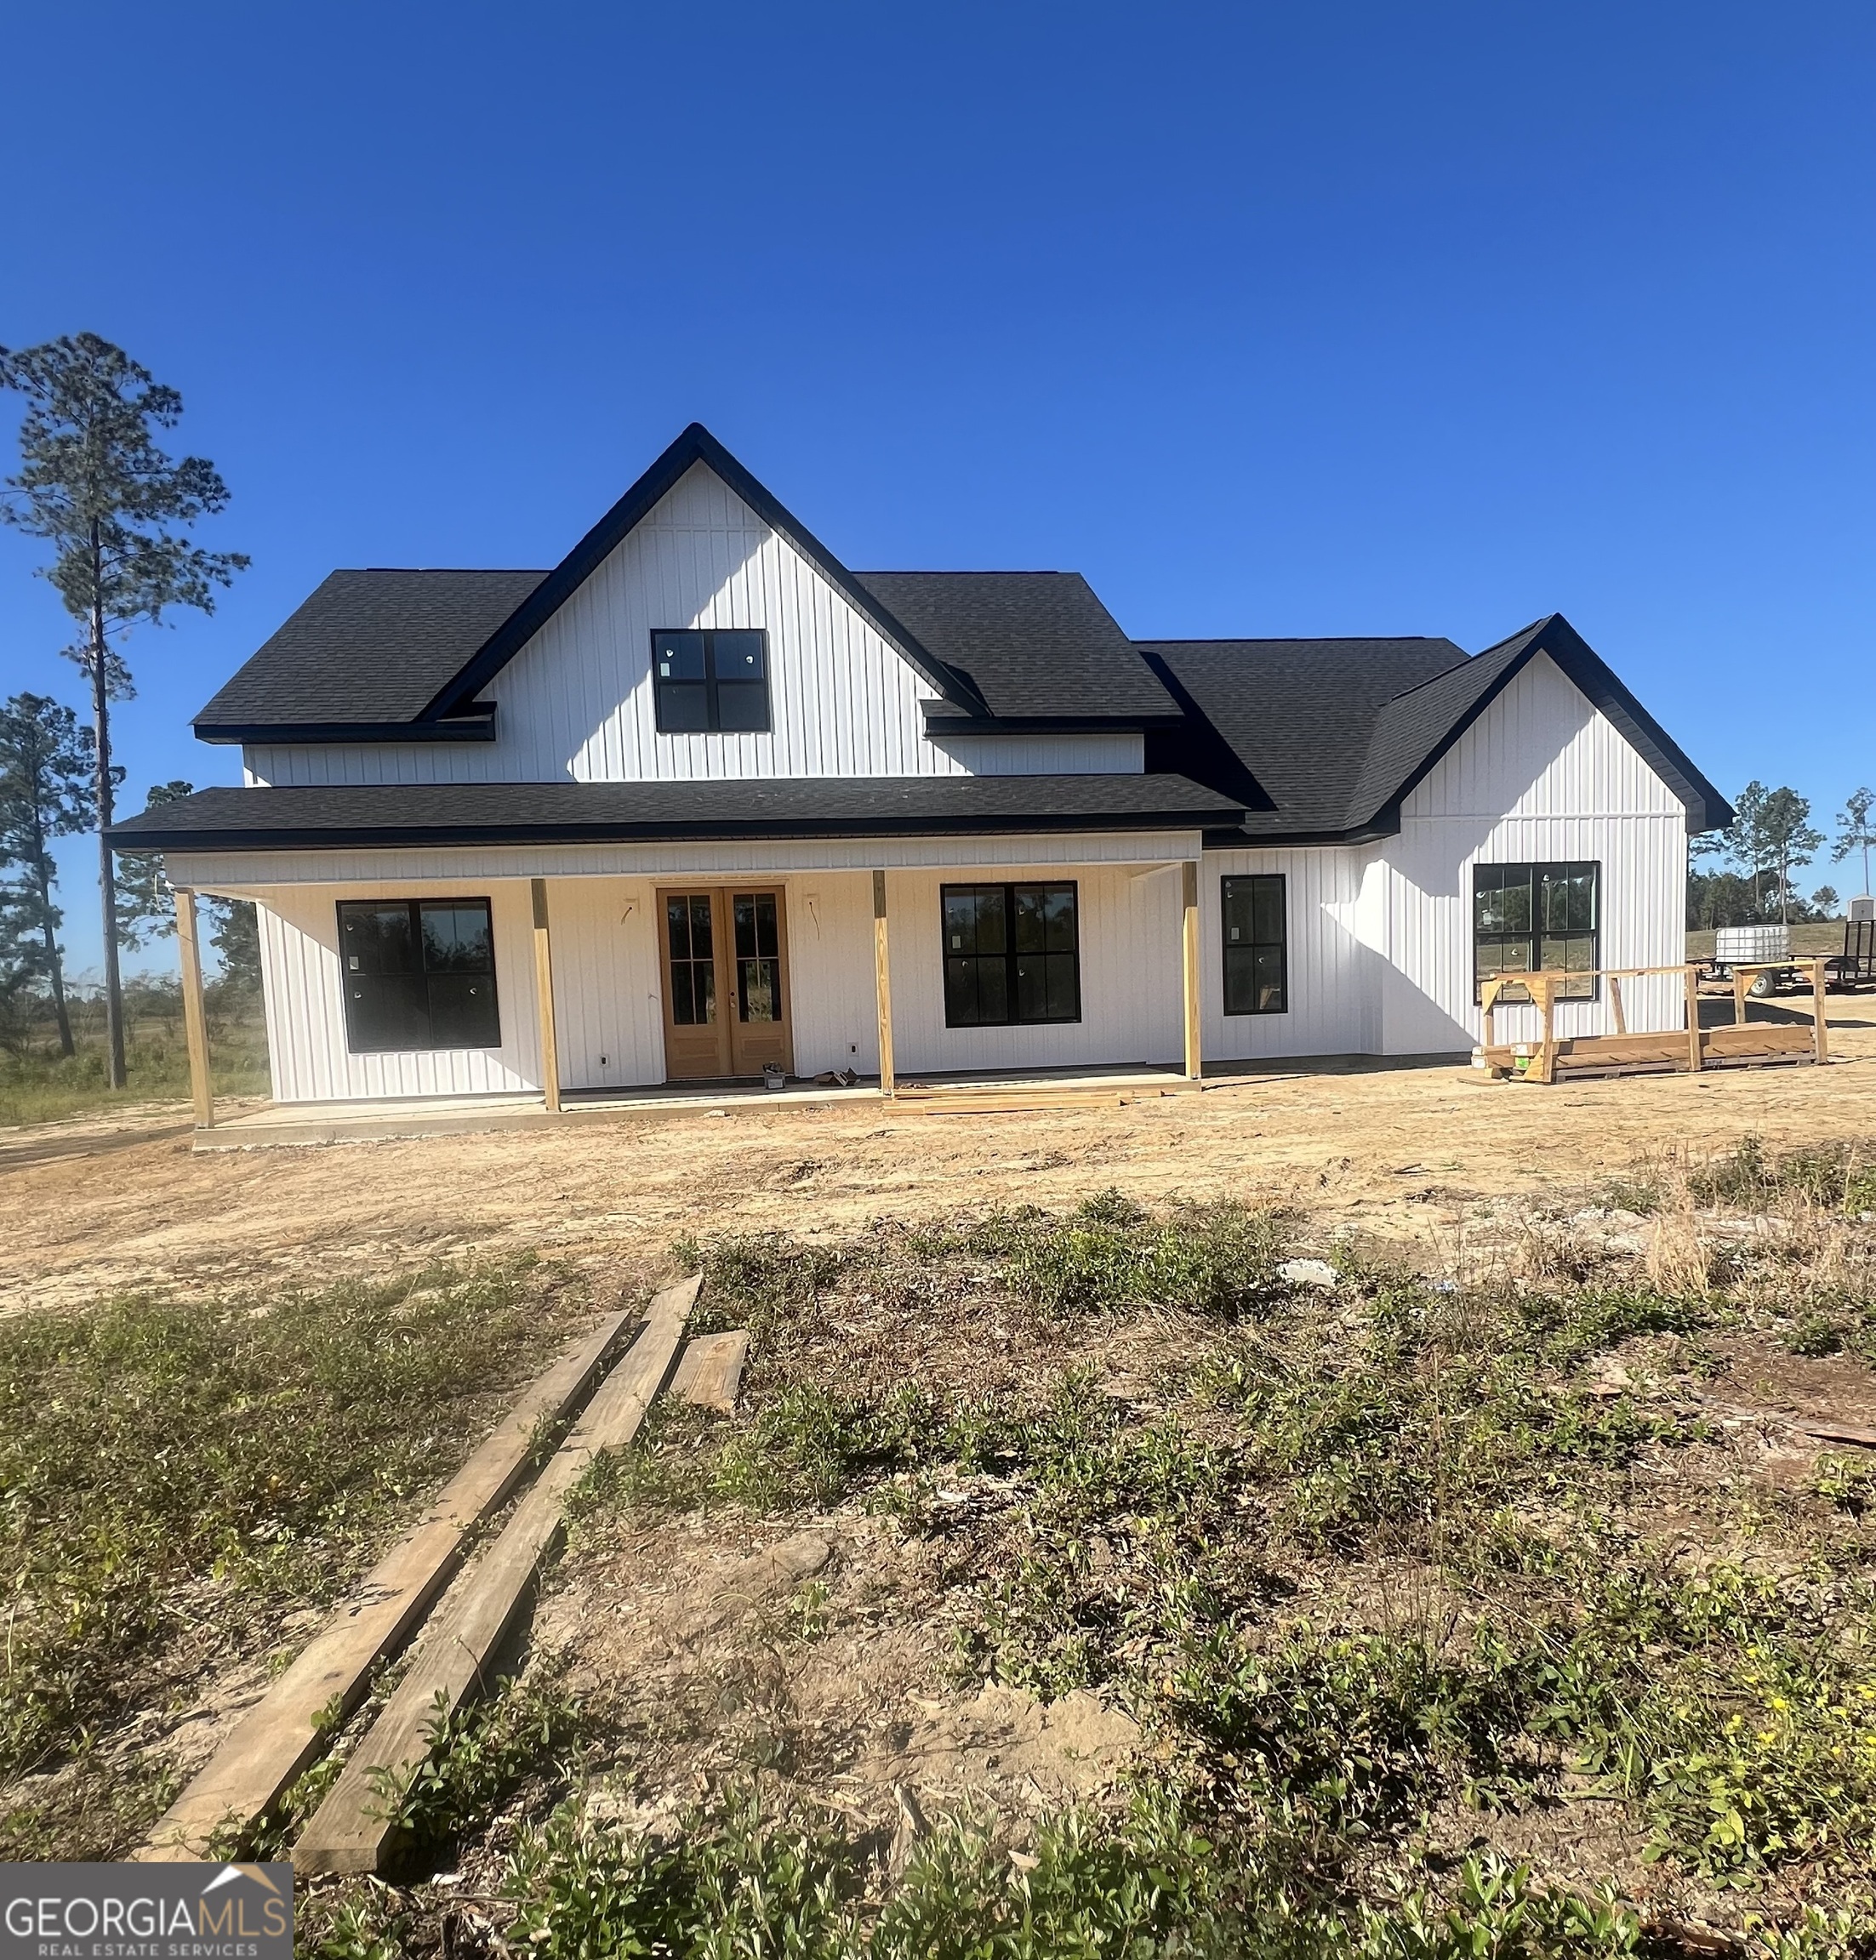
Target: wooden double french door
{"x":726,"y":982}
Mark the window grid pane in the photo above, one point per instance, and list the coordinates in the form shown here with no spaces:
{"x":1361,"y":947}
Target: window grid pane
{"x":417,"y":973}
{"x":710,"y":682}
{"x":1538,"y":918}
{"x":1255,"y":911}
{"x":1011,"y":954}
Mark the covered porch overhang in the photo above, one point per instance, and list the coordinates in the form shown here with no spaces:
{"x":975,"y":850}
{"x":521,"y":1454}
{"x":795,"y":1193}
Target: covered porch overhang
{"x":261,"y":874}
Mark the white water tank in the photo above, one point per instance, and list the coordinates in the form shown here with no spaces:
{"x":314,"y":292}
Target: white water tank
{"x":1752,"y":945}
{"x":1862,"y":909}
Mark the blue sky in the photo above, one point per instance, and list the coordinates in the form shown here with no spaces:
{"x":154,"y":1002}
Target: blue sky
{"x":1357,"y":318}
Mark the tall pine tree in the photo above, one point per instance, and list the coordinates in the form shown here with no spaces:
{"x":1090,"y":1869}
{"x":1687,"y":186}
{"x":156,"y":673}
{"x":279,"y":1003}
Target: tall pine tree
{"x":116,"y":510}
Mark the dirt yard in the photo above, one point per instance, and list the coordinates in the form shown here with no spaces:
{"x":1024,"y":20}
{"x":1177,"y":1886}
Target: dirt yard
{"x":1395,"y":1153}
{"x":1460,"y":1517}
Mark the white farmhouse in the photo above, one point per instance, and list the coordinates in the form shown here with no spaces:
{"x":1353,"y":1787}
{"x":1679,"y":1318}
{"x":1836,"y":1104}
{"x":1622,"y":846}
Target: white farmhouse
{"x":700,"y":799}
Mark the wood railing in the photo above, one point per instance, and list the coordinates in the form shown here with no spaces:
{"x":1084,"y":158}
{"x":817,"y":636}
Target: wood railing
{"x":1543,"y":989}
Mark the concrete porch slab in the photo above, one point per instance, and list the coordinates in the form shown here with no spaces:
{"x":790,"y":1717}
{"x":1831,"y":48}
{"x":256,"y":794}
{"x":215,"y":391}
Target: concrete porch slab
{"x":306,"y":1123}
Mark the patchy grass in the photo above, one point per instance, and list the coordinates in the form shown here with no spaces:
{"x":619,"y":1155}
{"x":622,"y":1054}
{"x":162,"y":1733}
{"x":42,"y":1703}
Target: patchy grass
{"x":1373,"y":1568}
{"x":1835,"y":1176}
{"x":740,"y":1878}
{"x":38,"y":1085}
{"x":174,"y":1476}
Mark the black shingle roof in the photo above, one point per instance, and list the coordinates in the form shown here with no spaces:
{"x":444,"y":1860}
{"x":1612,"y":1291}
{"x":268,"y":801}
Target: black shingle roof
{"x":1034,"y":644}
{"x":1295,"y":716}
{"x":1305,"y":739}
{"x":368,"y":647}
{"x":411,"y":813}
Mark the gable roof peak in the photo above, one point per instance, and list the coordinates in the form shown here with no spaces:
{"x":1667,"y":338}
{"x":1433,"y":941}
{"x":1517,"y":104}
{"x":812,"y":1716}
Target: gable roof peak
{"x":694,"y":445}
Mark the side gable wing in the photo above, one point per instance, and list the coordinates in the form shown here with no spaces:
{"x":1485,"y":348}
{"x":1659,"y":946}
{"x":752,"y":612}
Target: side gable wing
{"x":1415,"y":731}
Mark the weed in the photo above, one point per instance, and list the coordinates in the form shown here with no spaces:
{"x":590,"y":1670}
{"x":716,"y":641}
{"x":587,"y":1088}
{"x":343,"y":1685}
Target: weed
{"x":479,"y":1756}
{"x":1110,"y":1252}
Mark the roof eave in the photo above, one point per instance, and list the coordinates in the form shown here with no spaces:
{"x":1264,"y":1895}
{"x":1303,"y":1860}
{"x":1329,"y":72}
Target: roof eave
{"x":477,"y":727}
{"x":124,"y":837}
{"x":939,"y":720}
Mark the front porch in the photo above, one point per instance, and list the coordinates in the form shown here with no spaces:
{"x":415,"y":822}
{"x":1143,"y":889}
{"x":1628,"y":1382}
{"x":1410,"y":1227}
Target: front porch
{"x":599,"y":1018}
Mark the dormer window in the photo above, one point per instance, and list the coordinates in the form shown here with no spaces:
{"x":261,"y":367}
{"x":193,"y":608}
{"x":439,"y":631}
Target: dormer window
{"x":705,"y":682}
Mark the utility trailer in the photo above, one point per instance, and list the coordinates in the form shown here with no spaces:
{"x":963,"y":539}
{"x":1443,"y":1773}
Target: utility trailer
{"x":1763,"y":953}
{"x":1855,"y":965}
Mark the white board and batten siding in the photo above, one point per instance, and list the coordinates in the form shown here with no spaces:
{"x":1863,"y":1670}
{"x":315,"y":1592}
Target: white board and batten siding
{"x":302,"y":984}
{"x":1333,"y":973}
{"x":1541,"y":777}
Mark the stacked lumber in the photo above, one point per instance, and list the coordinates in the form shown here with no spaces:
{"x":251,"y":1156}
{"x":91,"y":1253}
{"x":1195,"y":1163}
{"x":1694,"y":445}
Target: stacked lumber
{"x":350,"y":1831}
{"x":294,"y":1722}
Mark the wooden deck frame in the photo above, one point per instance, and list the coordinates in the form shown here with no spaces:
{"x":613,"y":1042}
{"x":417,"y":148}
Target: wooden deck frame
{"x":1744,"y":1044}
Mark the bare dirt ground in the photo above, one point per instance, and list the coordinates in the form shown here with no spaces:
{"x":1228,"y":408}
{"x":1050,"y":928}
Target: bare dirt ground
{"x":1394,"y":1151}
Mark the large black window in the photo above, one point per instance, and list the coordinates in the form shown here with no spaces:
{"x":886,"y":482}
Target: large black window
{"x":710,"y":680}
{"x":1256,"y":979}
{"x":419,"y":973}
{"x":1536,"y":919}
{"x":1011,"y":953}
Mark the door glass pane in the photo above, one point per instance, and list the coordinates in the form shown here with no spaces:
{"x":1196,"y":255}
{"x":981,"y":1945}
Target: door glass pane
{"x":759,"y":990}
{"x":691,"y":951}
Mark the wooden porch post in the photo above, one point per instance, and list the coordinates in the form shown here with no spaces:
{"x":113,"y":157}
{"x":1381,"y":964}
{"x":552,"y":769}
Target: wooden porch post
{"x":1820,"y":1027}
{"x":1691,"y":976}
{"x":194,"y":1022}
{"x":544,"y":996}
{"x":1195,"y":1025}
{"x":882,"y":987}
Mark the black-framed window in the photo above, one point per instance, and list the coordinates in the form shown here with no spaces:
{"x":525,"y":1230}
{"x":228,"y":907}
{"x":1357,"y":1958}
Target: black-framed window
{"x":417,"y":973}
{"x":706,"y":681}
{"x":1534,"y":919}
{"x":1257,"y":954}
{"x":1012,"y":953}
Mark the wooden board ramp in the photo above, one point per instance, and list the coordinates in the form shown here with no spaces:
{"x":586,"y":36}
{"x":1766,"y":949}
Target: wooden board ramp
{"x":710,"y":1371}
{"x":288,"y":1726}
{"x":348,"y":1832}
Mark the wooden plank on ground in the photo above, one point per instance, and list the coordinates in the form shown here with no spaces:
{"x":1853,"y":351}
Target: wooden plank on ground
{"x":348,"y":1833}
{"x":1835,"y":1431}
{"x":710,"y":1371}
{"x":284,"y":1730}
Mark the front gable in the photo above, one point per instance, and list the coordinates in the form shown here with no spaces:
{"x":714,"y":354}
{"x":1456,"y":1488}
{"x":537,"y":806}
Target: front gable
{"x":576,"y":699}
